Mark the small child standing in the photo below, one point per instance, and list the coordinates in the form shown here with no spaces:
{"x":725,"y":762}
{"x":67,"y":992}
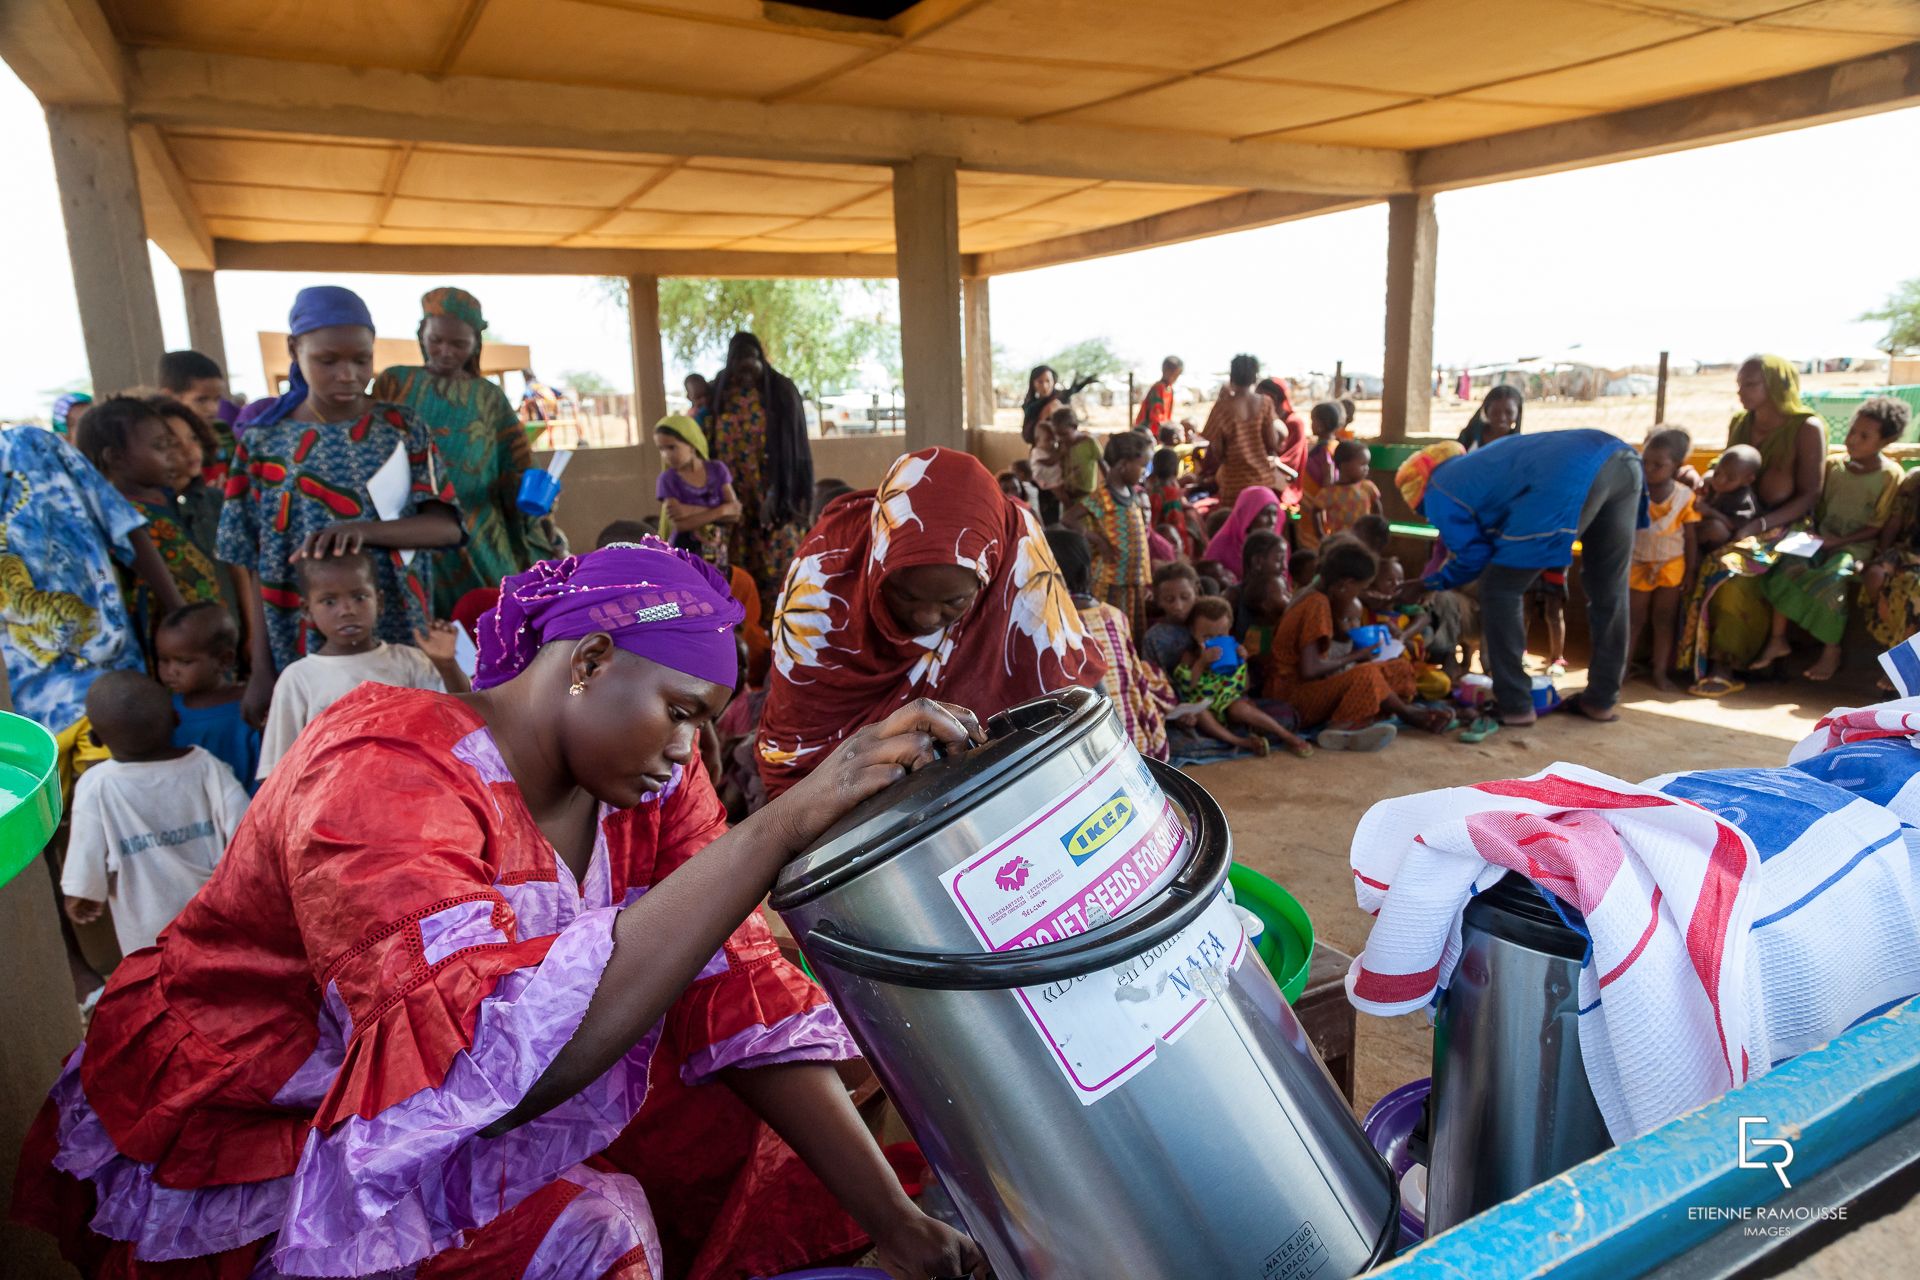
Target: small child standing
{"x":1856,"y":501}
{"x":1167,"y":501}
{"x":1343,"y":503}
{"x":149,"y":825}
{"x":1728,"y":496}
{"x":1175,"y":587}
{"x":697,"y":503}
{"x":1665,"y":552}
{"x":1113,"y":519}
{"x":195,"y":649}
{"x":1214,"y":671}
{"x":340,"y":599}
{"x":1326,"y":419}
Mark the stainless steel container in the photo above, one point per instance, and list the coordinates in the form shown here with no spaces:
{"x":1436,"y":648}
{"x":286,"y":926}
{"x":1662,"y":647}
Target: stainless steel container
{"x":1029,"y":942}
{"x":1510,"y":1106}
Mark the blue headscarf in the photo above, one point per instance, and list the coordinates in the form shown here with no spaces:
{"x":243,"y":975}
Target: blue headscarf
{"x":319,"y":306}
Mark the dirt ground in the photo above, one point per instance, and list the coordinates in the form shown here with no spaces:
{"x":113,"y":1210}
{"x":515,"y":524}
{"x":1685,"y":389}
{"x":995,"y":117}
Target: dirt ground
{"x":1294,"y":820}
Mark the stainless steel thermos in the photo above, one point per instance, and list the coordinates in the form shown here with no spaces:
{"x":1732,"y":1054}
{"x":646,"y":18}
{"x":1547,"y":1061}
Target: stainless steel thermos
{"x":1029,"y":942}
{"x":1510,"y":1106}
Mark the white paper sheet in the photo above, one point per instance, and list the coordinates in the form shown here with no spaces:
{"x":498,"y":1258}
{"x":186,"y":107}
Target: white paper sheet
{"x":388,"y":488}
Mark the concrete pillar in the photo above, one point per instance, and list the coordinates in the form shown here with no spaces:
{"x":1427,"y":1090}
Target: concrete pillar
{"x":979,"y":345}
{"x":1413,"y":244}
{"x":203,"y":316}
{"x":107,"y":241}
{"x":649,"y":370}
{"x":926,"y":234}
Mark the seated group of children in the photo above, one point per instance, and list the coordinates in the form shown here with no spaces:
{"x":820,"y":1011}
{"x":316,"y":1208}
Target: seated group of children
{"x":1228,"y":633}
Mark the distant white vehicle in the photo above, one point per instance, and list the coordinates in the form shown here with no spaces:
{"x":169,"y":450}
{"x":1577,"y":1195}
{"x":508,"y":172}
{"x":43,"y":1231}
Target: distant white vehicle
{"x":863,"y":410}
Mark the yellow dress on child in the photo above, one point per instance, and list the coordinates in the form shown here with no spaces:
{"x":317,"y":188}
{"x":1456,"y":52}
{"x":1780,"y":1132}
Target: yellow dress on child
{"x":1660,"y":549}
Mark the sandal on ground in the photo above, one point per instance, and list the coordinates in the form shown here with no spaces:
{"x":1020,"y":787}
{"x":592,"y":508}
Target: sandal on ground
{"x":1716,"y":687}
{"x":1556,"y":668}
{"x":1261,"y":747}
{"x":1301,"y":750}
{"x":1372,"y":738}
{"x":1480,"y":730}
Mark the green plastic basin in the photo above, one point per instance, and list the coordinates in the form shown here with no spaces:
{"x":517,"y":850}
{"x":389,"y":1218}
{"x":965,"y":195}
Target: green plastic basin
{"x":29,"y":792}
{"x":1287,"y":943}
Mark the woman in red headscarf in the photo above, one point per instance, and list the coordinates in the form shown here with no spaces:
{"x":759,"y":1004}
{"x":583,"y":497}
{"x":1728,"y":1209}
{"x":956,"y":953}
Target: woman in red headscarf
{"x":936,"y":584}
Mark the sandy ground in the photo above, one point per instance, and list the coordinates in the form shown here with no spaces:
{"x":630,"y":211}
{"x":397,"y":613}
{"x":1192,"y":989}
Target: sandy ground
{"x":1294,"y":820}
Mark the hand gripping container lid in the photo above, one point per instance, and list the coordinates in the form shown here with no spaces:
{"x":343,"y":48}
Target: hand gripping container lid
{"x":1128,"y":1096}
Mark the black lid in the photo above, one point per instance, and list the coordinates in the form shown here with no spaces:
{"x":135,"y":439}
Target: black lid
{"x":920,"y":803}
{"x":1516,"y":909}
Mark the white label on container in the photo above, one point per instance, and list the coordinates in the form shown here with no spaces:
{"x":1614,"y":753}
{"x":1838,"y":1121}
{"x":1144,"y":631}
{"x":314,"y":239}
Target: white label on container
{"x":1098,"y":851}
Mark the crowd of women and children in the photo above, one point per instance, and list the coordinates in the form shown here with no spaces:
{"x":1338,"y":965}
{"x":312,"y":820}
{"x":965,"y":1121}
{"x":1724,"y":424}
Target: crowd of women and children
{"x":222,"y":609}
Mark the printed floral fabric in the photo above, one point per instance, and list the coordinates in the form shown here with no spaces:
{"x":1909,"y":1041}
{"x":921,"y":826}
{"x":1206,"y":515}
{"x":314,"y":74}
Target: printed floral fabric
{"x":292,"y":479}
{"x":62,"y":528}
{"x":840,"y":658}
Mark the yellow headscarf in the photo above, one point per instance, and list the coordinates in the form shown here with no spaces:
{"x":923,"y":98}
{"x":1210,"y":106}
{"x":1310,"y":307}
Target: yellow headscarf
{"x":679,"y":424}
{"x":1783,"y":393}
{"x":1411,"y":479}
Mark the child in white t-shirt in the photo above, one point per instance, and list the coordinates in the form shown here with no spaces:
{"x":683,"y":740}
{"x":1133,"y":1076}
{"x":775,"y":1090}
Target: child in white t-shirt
{"x":340,"y":600}
{"x":149,"y":825}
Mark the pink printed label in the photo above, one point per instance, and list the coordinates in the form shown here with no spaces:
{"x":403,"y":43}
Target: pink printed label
{"x":1101,"y":849}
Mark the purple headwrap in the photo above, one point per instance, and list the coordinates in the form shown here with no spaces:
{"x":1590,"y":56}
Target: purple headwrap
{"x":655,"y":601}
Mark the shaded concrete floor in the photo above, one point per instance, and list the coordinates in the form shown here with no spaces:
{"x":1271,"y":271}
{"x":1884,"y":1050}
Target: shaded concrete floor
{"x":1294,"y":820}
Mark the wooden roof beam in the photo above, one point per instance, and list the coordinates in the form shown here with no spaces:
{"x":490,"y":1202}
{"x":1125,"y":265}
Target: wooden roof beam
{"x":1215,"y":217}
{"x":64,"y":51}
{"x":541,"y":260}
{"x":186,"y":89}
{"x":173,"y":219}
{"x":1882,"y":82}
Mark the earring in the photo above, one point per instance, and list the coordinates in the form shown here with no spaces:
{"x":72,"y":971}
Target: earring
{"x":577,"y":688}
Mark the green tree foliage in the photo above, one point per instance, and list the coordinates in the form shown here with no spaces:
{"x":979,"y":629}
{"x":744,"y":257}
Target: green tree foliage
{"x":586,"y":382}
{"x":817,"y":332}
{"x":1090,"y":356}
{"x":1901,"y":315}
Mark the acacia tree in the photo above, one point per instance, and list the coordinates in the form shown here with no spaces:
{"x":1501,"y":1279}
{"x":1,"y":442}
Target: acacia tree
{"x":817,"y":332}
{"x":1901,"y":315}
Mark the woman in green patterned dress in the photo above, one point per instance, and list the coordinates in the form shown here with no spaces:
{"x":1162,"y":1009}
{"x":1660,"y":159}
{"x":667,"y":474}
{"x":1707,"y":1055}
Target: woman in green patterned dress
{"x":481,"y":441}
{"x":759,"y":430}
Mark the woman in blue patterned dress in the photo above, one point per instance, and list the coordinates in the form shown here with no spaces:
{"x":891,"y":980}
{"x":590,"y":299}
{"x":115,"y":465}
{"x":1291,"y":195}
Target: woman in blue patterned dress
{"x":326,"y":470}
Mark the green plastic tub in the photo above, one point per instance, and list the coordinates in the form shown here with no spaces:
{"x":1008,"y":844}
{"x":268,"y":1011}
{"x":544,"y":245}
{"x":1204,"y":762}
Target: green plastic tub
{"x":1287,"y":943}
{"x":29,"y":792}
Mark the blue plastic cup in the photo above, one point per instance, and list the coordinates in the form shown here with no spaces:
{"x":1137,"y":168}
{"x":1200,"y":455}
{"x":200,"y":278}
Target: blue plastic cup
{"x":1372,"y":636}
{"x":538,"y":490}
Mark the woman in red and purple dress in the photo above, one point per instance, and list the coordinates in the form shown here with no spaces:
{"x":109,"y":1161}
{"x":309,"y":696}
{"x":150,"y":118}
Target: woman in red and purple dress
{"x":480,"y":989}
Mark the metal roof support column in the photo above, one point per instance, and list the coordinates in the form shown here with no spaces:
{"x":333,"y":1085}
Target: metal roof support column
{"x":203,"y":316}
{"x":926,"y":229}
{"x":1413,"y":244}
{"x":979,"y":340}
{"x":649,"y":369}
{"x":107,"y":241}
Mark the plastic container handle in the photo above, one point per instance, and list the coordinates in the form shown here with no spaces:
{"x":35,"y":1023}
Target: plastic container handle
{"x":1182,"y":902}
